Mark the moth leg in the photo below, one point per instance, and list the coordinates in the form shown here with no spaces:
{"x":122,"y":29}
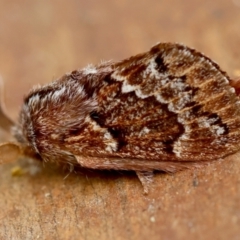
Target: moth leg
{"x":146,"y":178}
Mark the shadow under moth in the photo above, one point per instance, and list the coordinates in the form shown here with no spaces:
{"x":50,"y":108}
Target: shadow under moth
{"x":167,"y":109}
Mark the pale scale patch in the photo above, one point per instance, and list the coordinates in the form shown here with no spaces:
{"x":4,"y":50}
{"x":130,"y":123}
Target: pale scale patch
{"x":184,"y":98}
{"x":165,"y":81}
{"x":178,"y":85}
{"x":187,"y":53}
{"x":144,"y":131}
{"x":160,"y":99}
{"x":237,"y":103}
{"x":58,"y":93}
{"x":115,"y":75}
{"x":111,"y":146}
{"x":34,"y":100}
{"x":232,"y":90}
{"x":151,"y":70}
{"x":80,"y":90}
{"x":107,"y":135}
{"x":90,"y":69}
{"x":110,"y":143}
{"x":205,"y":122}
{"x":219,"y":130}
{"x":94,"y":125}
{"x":183,"y":117}
{"x":126,"y":88}
{"x":177,"y":148}
{"x":140,"y":94}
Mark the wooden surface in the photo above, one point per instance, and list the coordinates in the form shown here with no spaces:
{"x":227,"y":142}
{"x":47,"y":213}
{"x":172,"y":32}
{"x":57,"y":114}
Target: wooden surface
{"x":40,"y":41}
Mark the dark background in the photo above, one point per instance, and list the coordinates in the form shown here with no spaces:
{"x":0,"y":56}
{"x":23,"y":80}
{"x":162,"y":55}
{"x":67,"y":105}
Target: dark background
{"x":42,"y":40}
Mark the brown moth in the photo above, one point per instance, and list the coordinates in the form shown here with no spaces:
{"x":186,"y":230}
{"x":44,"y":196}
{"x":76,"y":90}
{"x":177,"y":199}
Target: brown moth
{"x":167,"y":109}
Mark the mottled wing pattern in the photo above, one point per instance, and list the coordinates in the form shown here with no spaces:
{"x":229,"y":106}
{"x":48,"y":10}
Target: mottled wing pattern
{"x":169,"y":104}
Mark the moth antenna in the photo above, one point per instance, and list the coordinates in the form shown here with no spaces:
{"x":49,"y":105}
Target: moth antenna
{"x":6,"y":123}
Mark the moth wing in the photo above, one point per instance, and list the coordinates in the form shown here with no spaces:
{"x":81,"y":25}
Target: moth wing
{"x":157,"y":109}
{"x":134,"y":164}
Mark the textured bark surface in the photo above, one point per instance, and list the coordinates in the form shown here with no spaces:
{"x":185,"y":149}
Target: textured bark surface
{"x":42,"y":40}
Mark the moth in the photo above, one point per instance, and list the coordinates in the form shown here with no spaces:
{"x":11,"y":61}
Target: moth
{"x":167,"y":109}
